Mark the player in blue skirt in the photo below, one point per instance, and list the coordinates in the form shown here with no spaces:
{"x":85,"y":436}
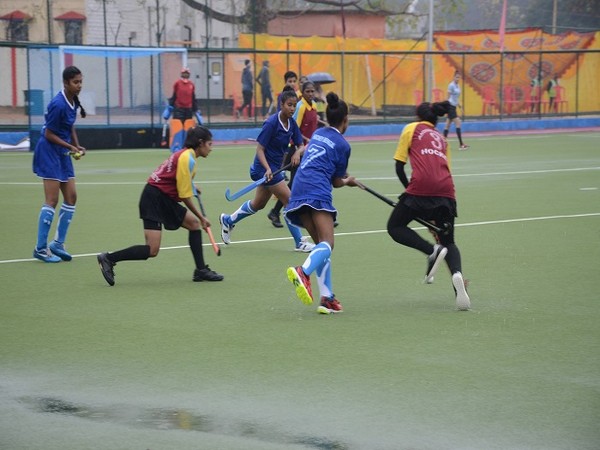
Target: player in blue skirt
{"x":323,"y":167}
{"x":272,"y":144}
{"x":52,"y":162}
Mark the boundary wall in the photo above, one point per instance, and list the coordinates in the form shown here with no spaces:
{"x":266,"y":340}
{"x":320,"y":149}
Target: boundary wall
{"x":19,"y":141}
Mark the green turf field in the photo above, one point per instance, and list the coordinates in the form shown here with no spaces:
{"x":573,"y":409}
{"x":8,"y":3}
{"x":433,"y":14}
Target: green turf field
{"x":160,"y":362}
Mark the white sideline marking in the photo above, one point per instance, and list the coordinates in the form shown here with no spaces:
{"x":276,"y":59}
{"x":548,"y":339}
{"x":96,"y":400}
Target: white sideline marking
{"x":352,"y":233}
{"x":454,"y":175}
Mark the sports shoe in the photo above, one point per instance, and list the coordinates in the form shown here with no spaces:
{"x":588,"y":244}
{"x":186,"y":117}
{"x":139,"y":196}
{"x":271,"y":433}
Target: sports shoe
{"x":274,"y":218}
{"x":207,"y":275}
{"x":302,"y":283}
{"x":225,"y":229}
{"x":45,"y":255}
{"x":329,"y":306}
{"x":59,"y":250}
{"x":106,"y":267}
{"x":463,"y":303}
{"x":463,"y":147}
{"x":433,"y":262}
{"x":304,"y":246}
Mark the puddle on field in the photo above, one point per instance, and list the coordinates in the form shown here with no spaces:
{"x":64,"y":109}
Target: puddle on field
{"x":178,"y":419}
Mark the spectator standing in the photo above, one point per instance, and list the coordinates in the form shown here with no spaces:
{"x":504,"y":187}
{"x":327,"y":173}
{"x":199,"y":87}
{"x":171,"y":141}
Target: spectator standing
{"x":264,"y":80}
{"x":247,"y":89}
{"x":551,"y":88}
{"x":454,"y":99}
{"x":184,"y":107}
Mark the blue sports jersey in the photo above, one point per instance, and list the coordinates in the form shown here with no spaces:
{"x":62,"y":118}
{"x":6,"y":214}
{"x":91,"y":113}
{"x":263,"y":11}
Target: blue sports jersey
{"x":52,"y":161}
{"x":326,"y":158}
{"x":60,"y":117}
{"x":275,"y":139}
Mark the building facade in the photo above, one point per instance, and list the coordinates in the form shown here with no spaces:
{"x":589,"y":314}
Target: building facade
{"x":144,"y":23}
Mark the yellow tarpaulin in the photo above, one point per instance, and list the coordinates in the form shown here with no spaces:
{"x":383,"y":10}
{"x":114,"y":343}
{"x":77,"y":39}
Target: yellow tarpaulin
{"x":395,"y":72}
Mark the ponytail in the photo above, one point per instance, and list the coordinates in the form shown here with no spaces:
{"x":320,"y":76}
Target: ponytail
{"x":78,"y":105}
{"x":431,"y":111}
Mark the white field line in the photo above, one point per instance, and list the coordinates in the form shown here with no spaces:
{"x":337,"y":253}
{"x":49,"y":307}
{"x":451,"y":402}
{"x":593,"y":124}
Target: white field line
{"x":355,"y":233}
{"x":485,"y":174}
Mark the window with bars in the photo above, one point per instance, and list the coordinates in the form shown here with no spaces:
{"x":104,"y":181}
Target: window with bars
{"x":17,"y":30}
{"x":73,"y":32}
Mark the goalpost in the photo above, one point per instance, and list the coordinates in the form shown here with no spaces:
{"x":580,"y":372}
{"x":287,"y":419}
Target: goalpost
{"x":122,"y":86}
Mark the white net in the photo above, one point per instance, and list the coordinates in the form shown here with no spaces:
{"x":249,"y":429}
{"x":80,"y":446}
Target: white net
{"x":122,"y":86}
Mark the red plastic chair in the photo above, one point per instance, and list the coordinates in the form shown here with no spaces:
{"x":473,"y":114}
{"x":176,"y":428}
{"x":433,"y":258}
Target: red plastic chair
{"x":489,"y":100}
{"x":509,"y":99}
{"x":418,"y":96}
{"x":437,"y":95}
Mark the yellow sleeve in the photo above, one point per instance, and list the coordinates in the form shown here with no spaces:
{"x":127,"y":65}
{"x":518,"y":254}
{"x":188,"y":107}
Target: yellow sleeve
{"x":186,"y":170}
{"x":300,"y":114}
{"x":404,"y":142}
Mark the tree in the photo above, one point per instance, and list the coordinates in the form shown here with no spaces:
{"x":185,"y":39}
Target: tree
{"x":581,"y":15}
{"x":257,"y":13}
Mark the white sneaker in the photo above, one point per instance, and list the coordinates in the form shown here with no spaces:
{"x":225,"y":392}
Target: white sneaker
{"x":463,"y":303}
{"x":433,"y":262}
{"x":304,"y":246}
{"x":225,"y":230}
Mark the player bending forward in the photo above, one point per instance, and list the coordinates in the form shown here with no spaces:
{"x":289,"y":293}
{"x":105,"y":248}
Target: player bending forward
{"x":160,"y":207}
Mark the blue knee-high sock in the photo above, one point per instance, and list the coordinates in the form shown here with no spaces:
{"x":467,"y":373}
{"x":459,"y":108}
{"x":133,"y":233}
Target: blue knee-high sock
{"x":317,"y":257}
{"x":294,"y":231}
{"x":44,"y":223}
{"x":324,"y":279}
{"x":64,"y":220}
{"x":241,"y":213}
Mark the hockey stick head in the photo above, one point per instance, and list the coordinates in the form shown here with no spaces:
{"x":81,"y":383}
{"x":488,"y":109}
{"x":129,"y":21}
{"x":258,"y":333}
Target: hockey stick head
{"x":228,"y":195}
{"x":214,"y":244}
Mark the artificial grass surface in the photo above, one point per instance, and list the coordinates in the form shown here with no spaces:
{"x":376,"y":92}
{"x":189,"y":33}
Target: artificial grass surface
{"x":160,"y":362}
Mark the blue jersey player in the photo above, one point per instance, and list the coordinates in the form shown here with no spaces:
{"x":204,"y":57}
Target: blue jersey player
{"x":52,"y":162}
{"x":272,"y":144}
{"x":323,"y":167}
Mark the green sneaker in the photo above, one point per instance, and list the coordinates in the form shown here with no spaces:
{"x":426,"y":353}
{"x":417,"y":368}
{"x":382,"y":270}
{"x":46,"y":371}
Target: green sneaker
{"x":302,"y":283}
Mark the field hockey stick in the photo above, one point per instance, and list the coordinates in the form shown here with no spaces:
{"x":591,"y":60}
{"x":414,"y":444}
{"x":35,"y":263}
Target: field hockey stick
{"x":423,"y":222}
{"x":231,"y":197}
{"x":208,"y":230}
{"x":163,"y":142}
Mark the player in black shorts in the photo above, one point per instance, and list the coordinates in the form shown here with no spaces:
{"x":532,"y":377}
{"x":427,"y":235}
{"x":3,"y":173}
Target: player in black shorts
{"x":160,"y":206}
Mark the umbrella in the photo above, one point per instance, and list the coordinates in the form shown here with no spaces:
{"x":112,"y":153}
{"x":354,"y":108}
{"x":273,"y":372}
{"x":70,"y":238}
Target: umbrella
{"x":321,"y":78}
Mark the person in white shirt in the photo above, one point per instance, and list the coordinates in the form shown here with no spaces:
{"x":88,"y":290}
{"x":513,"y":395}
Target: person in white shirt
{"x":454,"y":99}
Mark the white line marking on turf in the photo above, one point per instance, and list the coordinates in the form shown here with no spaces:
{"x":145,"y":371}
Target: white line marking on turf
{"x":351,"y":233}
{"x":455,"y":175}
{"x":588,"y":189}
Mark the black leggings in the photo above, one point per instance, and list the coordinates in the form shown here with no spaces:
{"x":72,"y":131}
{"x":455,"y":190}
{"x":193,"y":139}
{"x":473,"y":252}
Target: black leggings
{"x":399,"y":231}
